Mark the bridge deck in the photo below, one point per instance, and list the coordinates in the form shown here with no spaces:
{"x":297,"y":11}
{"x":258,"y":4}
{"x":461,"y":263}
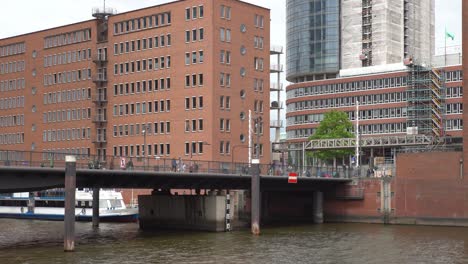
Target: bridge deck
{"x":15,"y":179}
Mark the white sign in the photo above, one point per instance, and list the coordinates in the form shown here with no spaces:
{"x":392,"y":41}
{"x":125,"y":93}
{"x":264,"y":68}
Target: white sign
{"x":122,"y":163}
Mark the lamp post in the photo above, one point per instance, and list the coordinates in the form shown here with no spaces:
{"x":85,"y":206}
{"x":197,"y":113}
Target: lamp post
{"x":191,"y":148}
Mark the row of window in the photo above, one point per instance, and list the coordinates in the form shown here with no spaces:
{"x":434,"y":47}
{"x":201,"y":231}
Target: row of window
{"x":194,"y":80}
{"x":143,"y":44}
{"x":371,"y":99}
{"x":454,"y":124}
{"x":67,"y":77}
{"x":225,"y":79}
{"x":161,"y":149}
{"x":11,"y":102}
{"x":194,"y":35}
{"x":258,"y":64}
{"x":143,"y":65}
{"x":12,"y":85}
{"x":59,"y":154}
{"x":225,"y":125}
{"x":153,"y":21}
{"x":12,"y":138}
{"x":194,"y":103}
{"x":363,"y":115}
{"x":348,"y":87}
{"x":125,"y":130}
{"x":12,"y":49}
{"x":194,"y":57}
{"x":258,"y":42}
{"x":224,"y":102}
{"x":67,"y":38}
{"x":66,"y":115}
{"x":454,"y":92}
{"x":456,"y":108}
{"x":194,"y":125}
{"x":400,"y":81}
{"x":194,"y":12}
{"x":225,"y":57}
{"x":67,"y":57}
{"x":67,"y":96}
{"x":225,"y":34}
{"x":142,"y":108}
{"x":12,"y":120}
{"x":66,"y":134}
{"x":12,"y":67}
{"x":225,"y":12}
{"x":142,"y":86}
{"x":258,"y":21}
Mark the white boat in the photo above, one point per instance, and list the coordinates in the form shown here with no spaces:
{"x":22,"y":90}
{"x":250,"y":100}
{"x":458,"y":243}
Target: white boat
{"x":49,"y":205}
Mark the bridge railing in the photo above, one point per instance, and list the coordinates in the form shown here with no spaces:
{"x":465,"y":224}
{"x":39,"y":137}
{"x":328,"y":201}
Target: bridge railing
{"x":167,"y":164}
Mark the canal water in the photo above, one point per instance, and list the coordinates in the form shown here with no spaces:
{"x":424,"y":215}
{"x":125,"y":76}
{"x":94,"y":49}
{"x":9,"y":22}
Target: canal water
{"x":35,"y":242}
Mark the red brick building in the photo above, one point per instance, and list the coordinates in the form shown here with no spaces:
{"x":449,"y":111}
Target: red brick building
{"x":181,"y":76}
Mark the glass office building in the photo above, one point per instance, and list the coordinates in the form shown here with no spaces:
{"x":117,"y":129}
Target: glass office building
{"x":313,"y":46}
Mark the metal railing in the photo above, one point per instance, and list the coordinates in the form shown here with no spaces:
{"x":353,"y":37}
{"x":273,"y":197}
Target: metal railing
{"x":276,"y":49}
{"x":276,"y":68}
{"x":159,"y":164}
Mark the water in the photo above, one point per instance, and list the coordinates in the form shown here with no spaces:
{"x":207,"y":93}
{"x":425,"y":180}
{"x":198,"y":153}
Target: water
{"x":35,"y":242}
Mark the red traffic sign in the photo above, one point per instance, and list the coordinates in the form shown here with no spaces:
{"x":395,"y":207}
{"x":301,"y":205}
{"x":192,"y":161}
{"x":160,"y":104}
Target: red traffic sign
{"x":292,"y":178}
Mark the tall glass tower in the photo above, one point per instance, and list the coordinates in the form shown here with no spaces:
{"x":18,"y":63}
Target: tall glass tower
{"x":313,"y":45}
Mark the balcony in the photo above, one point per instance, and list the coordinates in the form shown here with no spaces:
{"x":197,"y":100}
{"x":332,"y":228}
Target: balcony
{"x":100,"y":139}
{"x":275,"y":50}
{"x":100,"y":78}
{"x":276,"y":123}
{"x":275,"y":87}
{"x":276,"y":106}
{"x":100,"y":58}
{"x":100,"y":119}
{"x":275,"y":68}
{"x":103,"y":12}
{"x":100,"y":99}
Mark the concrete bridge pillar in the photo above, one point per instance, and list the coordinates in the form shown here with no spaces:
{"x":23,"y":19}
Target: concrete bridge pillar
{"x":318,"y":207}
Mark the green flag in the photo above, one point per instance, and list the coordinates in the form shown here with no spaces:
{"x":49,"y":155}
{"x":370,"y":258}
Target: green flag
{"x":449,"y":35}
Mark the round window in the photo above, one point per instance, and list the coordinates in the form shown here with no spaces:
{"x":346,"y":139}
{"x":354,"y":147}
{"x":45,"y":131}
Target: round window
{"x":242,"y":115}
{"x":242,"y":94}
{"x":242,"y":138}
{"x":242,"y":72}
{"x":243,"y":50}
{"x":34,"y":109}
{"x":243,"y":28}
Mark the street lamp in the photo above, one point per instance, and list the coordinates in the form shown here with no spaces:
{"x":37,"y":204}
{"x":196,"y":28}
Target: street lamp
{"x":193,"y":146}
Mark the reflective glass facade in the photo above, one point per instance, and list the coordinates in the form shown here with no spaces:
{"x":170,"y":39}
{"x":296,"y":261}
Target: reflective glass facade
{"x":313,"y":46}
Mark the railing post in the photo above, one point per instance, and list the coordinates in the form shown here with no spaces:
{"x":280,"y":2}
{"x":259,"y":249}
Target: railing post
{"x":69,"y":218}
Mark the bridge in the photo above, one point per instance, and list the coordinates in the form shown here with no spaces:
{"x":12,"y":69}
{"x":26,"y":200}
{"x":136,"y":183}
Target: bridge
{"x":28,"y":179}
{"x":31,"y":171}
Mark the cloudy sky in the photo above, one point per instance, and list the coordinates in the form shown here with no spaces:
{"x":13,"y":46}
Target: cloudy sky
{"x":16,"y":19}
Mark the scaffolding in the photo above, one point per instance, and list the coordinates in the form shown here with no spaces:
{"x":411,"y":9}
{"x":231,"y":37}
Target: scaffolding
{"x":425,"y":100}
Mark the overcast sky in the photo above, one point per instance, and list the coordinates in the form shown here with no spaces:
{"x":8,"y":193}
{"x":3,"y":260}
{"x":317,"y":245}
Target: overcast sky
{"x":16,"y":19}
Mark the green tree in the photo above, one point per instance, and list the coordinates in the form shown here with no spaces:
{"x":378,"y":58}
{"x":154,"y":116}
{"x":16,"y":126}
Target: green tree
{"x":334,"y":125}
